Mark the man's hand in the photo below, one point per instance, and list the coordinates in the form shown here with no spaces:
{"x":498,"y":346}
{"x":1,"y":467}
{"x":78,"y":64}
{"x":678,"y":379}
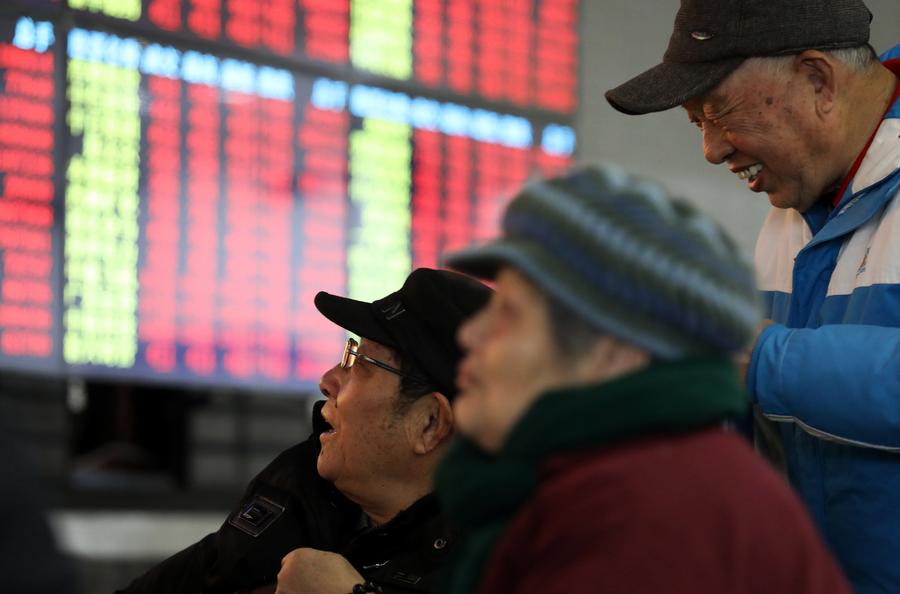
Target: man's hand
{"x":310,"y":571}
{"x":742,"y":359}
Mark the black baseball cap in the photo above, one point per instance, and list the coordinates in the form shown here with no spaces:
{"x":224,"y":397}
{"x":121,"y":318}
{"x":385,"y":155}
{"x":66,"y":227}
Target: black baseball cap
{"x":420,"y":320}
{"x":712,"y":38}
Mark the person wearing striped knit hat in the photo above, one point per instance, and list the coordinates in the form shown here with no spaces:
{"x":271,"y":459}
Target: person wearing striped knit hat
{"x":595,"y":397}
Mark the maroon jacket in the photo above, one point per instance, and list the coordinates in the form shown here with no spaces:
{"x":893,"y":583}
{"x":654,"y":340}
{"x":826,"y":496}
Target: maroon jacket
{"x":698,"y":513}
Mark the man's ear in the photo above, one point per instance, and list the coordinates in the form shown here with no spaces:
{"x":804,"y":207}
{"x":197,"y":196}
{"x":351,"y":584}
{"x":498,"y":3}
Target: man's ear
{"x":819,"y":71}
{"x":429,"y":422}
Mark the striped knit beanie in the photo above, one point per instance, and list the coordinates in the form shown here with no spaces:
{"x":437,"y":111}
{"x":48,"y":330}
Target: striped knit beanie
{"x":629,"y":260}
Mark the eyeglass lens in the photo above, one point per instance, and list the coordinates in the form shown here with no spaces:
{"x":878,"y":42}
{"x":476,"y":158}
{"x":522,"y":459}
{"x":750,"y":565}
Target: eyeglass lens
{"x":349,"y":356}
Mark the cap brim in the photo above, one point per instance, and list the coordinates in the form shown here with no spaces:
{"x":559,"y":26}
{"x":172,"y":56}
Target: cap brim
{"x":355,"y":316}
{"x":668,"y":85}
{"x":484,"y":261}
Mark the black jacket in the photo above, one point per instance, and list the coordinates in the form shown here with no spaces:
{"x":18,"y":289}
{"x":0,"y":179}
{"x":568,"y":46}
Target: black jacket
{"x":288,"y":506}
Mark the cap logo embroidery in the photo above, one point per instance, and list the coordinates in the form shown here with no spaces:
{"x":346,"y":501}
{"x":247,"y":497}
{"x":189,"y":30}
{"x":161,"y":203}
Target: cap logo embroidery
{"x":392,"y":311}
{"x":701,"y":35}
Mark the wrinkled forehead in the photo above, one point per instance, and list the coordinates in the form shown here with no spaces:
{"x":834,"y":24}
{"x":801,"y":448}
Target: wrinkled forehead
{"x":741,"y":79}
{"x":722,"y":98}
{"x":718,"y":95}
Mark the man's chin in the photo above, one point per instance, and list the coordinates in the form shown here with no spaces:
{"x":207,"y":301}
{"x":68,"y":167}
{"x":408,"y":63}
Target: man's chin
{"x":322,"y":468}
{"x":779,"y":200}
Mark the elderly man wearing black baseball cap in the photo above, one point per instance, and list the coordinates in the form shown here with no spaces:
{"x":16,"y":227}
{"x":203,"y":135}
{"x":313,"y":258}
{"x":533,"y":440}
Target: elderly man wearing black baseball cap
{"x":791,"y":98}
{"x":350,"y":509}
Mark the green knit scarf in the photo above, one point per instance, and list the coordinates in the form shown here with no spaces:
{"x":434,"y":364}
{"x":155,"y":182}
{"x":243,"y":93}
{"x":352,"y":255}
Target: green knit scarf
{"x":481,"y":493}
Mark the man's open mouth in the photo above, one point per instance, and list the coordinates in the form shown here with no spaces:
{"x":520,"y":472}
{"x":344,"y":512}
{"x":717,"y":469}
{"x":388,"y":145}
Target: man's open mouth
{"x":749,"y":173}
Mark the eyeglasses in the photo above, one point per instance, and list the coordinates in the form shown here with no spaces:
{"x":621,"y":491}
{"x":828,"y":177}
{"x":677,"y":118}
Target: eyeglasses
{"x":351,"y":354}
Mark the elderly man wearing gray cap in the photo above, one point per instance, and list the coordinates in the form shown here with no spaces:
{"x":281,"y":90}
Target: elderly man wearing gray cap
{"x":594,"y":398}
{"x":791,"y":98}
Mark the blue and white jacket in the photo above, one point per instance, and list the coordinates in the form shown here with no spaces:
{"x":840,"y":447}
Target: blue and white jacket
{"x":829,"y":369}
{"x":891,"y":54}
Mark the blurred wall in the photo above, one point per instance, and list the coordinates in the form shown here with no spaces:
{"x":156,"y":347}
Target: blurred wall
{"x":622,"y":38}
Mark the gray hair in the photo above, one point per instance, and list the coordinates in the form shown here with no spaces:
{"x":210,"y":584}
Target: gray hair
{"x":571,"y":334}
{"x":858,"y":59}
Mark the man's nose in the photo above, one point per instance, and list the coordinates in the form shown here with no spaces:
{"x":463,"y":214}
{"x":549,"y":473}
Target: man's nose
{"x":329,"y":383}
{"x":716,"y":148}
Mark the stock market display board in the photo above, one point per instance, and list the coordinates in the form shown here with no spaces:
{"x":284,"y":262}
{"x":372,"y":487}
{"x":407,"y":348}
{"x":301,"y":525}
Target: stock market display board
{"x":29,"y":229}
{"x":168,"y":212}
{"x":520,"y":51}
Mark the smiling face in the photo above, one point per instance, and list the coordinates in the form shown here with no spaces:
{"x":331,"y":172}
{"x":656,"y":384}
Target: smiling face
{"x":367,"y":444}
{"x":510,"y":360}
{"x":767,"y":127}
